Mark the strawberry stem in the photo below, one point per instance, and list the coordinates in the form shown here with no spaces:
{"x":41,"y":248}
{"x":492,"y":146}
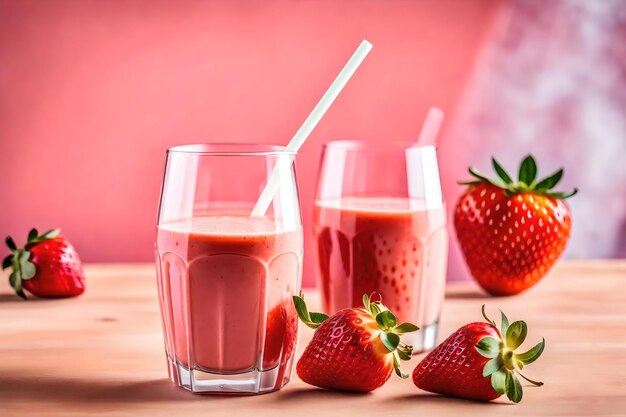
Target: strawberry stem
{"x":487,"y":319}
{"x":536,"y":383}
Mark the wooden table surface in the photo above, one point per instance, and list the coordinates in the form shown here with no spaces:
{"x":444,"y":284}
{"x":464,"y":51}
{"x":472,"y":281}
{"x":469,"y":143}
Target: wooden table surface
{"x":102,"y":354}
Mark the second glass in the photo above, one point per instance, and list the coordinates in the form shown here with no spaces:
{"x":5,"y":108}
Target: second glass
{"x":380,"y":226}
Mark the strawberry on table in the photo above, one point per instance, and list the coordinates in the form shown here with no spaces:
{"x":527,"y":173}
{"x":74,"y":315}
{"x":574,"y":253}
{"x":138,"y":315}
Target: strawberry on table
{"x":512,"y":232}
{"x":356,"y":349}
{"x":47,"y":266}
{"x":479,"y":362}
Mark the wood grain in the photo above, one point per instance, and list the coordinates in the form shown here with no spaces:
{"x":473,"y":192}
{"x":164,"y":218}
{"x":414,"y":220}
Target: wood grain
{"x":102,"y":354}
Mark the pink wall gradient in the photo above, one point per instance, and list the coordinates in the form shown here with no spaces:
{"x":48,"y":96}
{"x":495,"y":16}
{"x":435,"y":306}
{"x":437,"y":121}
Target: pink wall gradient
{"x":92,"y":93}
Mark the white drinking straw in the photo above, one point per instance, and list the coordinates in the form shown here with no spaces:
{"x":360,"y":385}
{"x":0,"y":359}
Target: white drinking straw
{"x":419,"y":188}
{"x":431,"y":126}
{"x":309,"y":124}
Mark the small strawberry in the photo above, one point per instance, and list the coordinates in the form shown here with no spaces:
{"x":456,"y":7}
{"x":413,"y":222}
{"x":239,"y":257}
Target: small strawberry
{"x":354,"y":350}
{"x":478,"y":363}
{"x":512,"y":232}
{"x":47,"y":266}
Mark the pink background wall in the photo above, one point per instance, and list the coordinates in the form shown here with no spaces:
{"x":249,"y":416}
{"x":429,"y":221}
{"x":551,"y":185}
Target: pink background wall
{"x":92,"y":93}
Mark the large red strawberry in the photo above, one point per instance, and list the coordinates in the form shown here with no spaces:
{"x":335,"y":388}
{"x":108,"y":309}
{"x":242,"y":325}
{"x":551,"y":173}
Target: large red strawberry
{"x":47,"y":266}
{"x":512,"y":232}
{"x":354,"y":350}
{"x":478,"y":363}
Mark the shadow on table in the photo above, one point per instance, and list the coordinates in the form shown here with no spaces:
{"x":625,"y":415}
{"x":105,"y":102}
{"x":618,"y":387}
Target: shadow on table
{"x":470,"y":294}
{"x":375,"y":402}
{"x":59,"y":389}
{"x":429,"y":398}
{"x":287,"y":395}
{"x":13,"y":298}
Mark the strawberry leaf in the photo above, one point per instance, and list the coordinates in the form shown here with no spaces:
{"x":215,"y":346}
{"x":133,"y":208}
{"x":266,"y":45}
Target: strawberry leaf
{"x":516,"y":334}
{"x":528,"y":170}
{"x":13,"y":279}
{"x":318,"y":317}
{"x":501,"y":172}
{"x":483,"y":178}
{"x":475,"y":182}
{"x":386,"y":320}
{"x":10,"y":243}
{"x":513,"y":388}
{"x":50,"y":234}
{"x":563,"y":196}
{"x":32,"y":234}
{"x":504,"y":326}
{"x":551,"y":181}
{"x":405,"y":328}
{"x":404,"y":352}
{"x":16,"y":283}
{"x":390,"y":340}
{"x":7,"y":262}
{"x":533,"y":354}
{"x":397,"y":369}
{"x":492,"y":366}
{"x":489,"y":347}
{"x":313,"y":320}
{"x":498,"y":380}
{"x":366,"y":302}
{"x":28,"y":270}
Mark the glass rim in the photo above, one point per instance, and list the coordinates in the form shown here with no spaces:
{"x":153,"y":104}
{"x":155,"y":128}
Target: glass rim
{"x":363,"y":145}
{"x":230,"y":149}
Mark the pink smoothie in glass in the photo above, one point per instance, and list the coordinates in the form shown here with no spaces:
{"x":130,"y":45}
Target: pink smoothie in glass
{"x":392,"y":246}
{"x":225,"y":286}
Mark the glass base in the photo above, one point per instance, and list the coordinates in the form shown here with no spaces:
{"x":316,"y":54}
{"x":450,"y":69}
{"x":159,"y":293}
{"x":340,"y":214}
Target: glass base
{"x":205,"y":382}
{"x":424,"y":339}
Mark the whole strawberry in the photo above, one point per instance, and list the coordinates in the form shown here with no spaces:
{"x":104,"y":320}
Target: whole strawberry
{"x":354,"y":350}
{"x":512,"y":232}
{"x":47,"y":266}
{"x":479,"y":362}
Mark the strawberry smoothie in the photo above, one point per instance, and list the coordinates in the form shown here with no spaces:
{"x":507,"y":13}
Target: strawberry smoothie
{"x":225,"y":287}
{"x":395,"y":247}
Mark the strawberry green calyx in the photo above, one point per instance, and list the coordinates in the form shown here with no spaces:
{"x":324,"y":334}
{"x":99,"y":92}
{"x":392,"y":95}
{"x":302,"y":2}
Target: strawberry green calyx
{"x":390,"y":334}
{"x":19,"y":259}
{"x":313,"y":320}
{"x":386,"y":321}
{"x":526,"y":182}
{"x":505,"y":365}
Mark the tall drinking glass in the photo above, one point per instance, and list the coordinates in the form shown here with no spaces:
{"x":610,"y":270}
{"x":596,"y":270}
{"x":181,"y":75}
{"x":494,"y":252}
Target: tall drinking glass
{"x":226,"y":279}
{"x":380,"y":226}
